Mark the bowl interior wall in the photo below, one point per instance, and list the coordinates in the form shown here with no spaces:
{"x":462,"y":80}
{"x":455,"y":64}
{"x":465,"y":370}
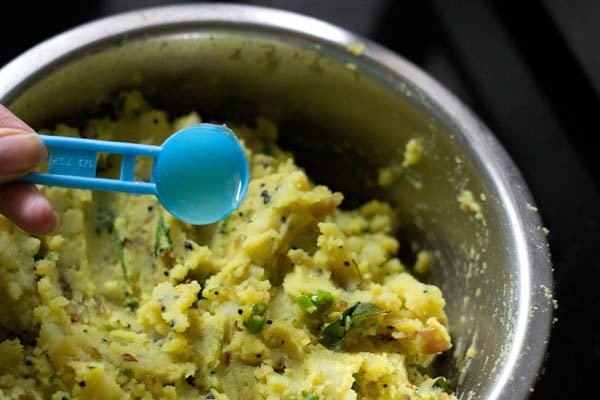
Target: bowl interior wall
{"x":345,"y":119}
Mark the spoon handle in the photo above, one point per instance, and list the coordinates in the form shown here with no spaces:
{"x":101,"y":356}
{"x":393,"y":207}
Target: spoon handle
{"x":72,"y":163}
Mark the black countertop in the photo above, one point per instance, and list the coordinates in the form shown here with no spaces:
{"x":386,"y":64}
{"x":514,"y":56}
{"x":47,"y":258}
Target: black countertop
{"x":530,"y":71}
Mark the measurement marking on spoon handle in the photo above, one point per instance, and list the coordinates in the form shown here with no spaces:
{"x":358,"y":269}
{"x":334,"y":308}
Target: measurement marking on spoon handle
{"x":73,"y":161}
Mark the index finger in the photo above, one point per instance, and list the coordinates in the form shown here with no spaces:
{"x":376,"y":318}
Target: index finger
{"x":10,"y":120}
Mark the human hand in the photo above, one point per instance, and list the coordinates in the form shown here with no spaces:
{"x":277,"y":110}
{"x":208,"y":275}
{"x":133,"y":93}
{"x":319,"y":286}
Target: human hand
{"x":20,"y":151}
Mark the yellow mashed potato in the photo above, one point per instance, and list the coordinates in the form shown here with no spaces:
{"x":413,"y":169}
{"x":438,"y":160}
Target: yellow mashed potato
{"x":290,"y":297}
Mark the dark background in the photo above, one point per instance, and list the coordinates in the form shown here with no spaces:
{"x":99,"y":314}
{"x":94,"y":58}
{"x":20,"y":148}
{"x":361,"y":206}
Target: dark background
{"x":529,"y":69}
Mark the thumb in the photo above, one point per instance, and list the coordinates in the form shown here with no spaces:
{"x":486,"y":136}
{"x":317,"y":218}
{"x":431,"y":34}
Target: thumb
{"x":20,"y":148}
{"x":20,"y":151}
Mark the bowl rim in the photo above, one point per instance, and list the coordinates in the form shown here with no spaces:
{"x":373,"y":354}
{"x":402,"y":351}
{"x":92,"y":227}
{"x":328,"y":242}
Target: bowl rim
{"x":524,"y":361}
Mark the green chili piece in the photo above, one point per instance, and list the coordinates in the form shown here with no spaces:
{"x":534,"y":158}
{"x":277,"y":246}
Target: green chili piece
{"x":322,"y":299}
{"x":258,"y":316}
{"x":319,"y":301}
{"x":306,"y":303}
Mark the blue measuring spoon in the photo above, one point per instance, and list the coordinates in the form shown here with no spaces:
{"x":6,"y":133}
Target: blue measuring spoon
{"x":200,"y":174}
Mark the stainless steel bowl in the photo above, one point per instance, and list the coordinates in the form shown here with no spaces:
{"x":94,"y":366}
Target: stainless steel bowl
{"x":346,"y":115}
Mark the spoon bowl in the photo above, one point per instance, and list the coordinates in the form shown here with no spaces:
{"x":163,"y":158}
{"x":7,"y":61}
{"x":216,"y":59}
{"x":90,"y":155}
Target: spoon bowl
{"x":201,"y":178}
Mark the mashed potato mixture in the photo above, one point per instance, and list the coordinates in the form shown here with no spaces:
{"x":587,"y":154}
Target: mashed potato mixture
{"x":290,"y":297}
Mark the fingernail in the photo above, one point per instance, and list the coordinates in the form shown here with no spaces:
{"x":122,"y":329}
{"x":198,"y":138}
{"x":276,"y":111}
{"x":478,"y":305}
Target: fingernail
{"x":20,"y":150}
{"x":42,"y":150}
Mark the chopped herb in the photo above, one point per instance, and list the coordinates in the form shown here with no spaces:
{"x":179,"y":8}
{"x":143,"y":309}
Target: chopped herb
{"x":257,"y":318}
{"x":333,"y":335}
{"x":357,"y":269}
{"x":162,"y":231}
{"x":311,"y":397}
{"x":131,"y":303}
{"x":267,"y":149}
{"x":105,"y":221}
{"x":122,"y":260}
{"x":224,"y":227}
{"x":442,"y":384}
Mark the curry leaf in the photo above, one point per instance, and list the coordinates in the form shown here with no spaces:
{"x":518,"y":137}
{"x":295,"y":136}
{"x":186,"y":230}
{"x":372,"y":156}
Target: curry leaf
{"x":333,"y":335}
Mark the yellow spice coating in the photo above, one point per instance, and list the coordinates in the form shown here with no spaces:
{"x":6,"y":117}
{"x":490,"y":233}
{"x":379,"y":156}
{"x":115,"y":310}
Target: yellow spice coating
{"x":126,"y":302}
